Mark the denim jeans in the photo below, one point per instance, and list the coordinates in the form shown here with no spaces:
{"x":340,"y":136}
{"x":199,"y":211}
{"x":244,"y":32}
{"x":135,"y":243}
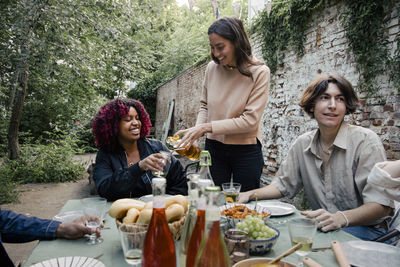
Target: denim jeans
{"x":365,"y":232}
{"x":244,"y":162}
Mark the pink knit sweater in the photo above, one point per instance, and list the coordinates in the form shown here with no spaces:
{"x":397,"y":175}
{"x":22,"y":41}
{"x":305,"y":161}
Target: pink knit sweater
{"x":234,"y":103}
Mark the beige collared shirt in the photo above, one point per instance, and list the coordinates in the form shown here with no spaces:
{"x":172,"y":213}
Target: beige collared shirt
{"x":343,"y":184}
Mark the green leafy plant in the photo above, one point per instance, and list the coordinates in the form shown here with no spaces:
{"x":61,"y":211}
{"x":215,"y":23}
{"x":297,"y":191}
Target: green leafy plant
{"x":364,"y":23}
{"x":40,"y":163}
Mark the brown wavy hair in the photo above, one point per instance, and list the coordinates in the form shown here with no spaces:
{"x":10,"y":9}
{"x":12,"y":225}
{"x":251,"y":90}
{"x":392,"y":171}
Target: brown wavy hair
{"x":319,"y":85}
{"x":105,"y":126}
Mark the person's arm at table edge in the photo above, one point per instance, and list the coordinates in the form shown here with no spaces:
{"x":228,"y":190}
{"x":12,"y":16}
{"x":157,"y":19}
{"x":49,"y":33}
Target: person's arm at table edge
{"x":267,"y":192}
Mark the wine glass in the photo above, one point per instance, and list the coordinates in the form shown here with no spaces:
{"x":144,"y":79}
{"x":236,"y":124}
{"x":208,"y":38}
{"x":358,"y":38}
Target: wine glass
{"x":132,"y":240}
{"x":302,"y":230}
{"x":93,"y":209}
{"x":167,"y":164}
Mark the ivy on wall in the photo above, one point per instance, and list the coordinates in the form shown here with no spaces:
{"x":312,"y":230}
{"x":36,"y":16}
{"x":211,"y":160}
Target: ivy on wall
{"x":363,"y":21}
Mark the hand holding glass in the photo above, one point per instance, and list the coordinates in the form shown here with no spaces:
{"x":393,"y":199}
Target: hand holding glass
{"x":132,"y":240}
{"x":167,"y":164}
{"x":231,"y":192}
{"x":93,"y":209}
{"x":302,"y":230}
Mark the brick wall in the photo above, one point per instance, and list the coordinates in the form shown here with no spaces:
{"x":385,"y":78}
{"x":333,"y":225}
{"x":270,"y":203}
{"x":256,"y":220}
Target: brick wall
{"x":326,"y":50}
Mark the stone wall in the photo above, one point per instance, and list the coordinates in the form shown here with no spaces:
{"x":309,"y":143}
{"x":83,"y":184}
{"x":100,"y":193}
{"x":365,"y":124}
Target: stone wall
{"x":326,"y":50}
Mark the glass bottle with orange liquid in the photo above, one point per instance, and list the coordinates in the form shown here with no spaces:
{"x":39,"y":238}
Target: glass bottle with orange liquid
{"x":191,"y":217}
{"x":158,"y":248}
{"x":198,"y":232}
{"x":212,"y":250}
{"x":192,"y":152}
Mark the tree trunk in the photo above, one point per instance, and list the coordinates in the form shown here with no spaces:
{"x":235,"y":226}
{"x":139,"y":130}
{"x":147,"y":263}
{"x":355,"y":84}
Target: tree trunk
{"x":16,"y":114}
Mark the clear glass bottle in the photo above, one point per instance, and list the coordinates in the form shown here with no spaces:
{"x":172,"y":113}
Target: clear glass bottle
{"x":192,"y":152}
{"x":205,"y":179}
{"x":190,"y":218}
{"x":159,"y":247}
{"x":212,"y":251}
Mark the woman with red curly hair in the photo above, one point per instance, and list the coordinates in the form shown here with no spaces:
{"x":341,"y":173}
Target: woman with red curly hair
{"x":126,"y":158}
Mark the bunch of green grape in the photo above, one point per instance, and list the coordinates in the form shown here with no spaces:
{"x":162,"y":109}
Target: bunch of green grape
{"x":255,"y":226}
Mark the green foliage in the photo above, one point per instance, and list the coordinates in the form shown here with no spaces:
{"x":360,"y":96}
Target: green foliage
{"x":186,"y":46}
{"x":41,"y":163}
{"x":284,"y":28}
{"x":363,"y":22}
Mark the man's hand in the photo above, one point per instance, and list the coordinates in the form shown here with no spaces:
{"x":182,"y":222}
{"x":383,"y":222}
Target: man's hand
{"x":75,"y":229}
{"x":326,"y":221}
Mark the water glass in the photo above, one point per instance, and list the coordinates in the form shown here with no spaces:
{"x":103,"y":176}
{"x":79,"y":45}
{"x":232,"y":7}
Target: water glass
{"x":167,"y":164}
{"x":93,"y":209}
{"x":231,"y":192}
{"x":237,"y":244}
{"x":302,"y":230}
{"x":132,"y":240}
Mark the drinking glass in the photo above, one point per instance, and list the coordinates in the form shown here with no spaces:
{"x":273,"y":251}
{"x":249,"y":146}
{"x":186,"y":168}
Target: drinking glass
{"x":302,"y":230}
{"x":167,"y":164}
{"x":237,"y":243}
{"x":93,"y":209}
{"x":132,"y":240}
{"x":231,"y":191}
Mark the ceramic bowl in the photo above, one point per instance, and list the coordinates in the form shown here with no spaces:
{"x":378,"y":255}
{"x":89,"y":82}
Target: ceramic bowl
{"x":262,"y":246}
{"x":255,"y":261}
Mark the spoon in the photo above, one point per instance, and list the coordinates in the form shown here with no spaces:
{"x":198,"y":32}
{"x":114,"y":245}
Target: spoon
{"x":286,"y":253}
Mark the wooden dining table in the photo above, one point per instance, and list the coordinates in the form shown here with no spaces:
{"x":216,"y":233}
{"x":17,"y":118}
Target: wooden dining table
{"x":110,"y":252}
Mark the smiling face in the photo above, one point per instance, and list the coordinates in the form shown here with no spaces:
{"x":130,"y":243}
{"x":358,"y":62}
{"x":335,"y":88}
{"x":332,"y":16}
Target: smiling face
{"x":330,"y":108}
{"x":129,"y":127}
{"x":223,"y":50}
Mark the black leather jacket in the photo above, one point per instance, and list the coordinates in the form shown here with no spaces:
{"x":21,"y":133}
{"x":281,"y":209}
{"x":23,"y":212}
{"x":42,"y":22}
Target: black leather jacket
{"x":115,"y":180}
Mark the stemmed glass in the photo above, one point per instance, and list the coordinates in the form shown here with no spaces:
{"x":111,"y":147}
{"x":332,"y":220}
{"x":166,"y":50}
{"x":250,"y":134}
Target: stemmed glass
{"x":132,"y":240}
{"x":93,"y":209}
{"x":167,"y":164}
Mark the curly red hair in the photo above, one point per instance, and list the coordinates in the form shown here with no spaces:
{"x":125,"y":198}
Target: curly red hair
{"x":105,"y":127}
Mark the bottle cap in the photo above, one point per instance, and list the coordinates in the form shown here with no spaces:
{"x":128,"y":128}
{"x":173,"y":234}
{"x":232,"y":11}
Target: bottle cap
{"x":205,"y":158}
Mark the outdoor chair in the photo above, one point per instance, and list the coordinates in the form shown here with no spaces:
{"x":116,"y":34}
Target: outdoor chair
{"x":393,"y":230}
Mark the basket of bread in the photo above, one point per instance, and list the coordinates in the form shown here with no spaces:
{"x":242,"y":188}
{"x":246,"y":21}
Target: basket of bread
{"x":128,"y":211}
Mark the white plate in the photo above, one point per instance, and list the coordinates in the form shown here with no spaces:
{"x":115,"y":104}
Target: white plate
{"x":68,"y":216}
{"x":278,"y":208}
{"x":70,"y":261}
{"x":369,"y":253}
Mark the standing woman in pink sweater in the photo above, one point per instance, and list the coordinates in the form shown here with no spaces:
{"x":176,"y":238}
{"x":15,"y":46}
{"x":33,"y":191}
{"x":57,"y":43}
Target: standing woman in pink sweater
{"x":235,"y":91}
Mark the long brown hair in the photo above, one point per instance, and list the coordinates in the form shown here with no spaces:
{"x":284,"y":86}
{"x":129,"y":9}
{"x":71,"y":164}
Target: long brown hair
{"x":232,"y":29}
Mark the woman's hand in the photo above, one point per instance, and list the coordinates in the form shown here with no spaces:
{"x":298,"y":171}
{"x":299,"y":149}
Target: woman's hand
{"x":326,"y":221}
{"x":190,"y":135}
{"x":154,"y":162}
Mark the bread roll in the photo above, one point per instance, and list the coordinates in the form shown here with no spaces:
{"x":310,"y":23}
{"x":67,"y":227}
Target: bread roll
{"x":145,"y":216}
{"x":121,"y":206}
{"x":174,"y":212}
{"x":131,"y":216}
{"x":179,"y":199}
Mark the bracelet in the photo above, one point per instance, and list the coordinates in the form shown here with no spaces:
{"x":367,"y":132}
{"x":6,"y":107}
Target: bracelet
{"x":347,"y":220}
